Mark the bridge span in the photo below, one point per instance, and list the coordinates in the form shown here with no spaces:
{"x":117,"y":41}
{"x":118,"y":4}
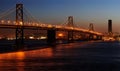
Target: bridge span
{"x":20,"y":25}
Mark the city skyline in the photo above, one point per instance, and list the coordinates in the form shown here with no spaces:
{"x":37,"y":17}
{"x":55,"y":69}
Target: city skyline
{"x":83,"y":11}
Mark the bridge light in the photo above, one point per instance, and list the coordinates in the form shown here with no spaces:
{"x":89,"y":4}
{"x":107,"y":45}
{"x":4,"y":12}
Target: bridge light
{"x":94,"y":36}
{"x":43,"y":37}
{"x":21,"y":23}
{"x":31,"y":37}
{"x":72,"y":28}
{"x":14,"y":22}
{"x":60,"y":34}
{"x":8,"y":21}
{"x":2,"y":21}
{"x":37,"y":24}
{"x":57,"y":26}
{"x":49,"y":26}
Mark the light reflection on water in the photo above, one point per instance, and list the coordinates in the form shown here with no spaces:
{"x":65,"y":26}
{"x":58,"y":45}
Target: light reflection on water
{"x":82,"y":56}
{"x":17,"y":61}
{"x":21,"y":55}
{"x":16,"y":55}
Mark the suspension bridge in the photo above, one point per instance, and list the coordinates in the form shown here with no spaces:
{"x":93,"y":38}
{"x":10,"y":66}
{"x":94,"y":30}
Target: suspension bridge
{"x":20,"y":19}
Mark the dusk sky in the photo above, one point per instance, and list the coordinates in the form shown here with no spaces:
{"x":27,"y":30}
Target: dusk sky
{"x":84,"y":11}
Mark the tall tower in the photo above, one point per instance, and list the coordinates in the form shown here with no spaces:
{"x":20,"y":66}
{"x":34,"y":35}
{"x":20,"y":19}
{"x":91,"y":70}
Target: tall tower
{"x":110,"y":26}
{"x":70,"y":21}
{"x":19,"y":26}
{"x":91,"y":27}
{"x":70,"y":32}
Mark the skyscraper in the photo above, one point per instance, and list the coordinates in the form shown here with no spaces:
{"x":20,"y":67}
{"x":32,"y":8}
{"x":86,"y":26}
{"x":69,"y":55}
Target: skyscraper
{"x":110,"y":26}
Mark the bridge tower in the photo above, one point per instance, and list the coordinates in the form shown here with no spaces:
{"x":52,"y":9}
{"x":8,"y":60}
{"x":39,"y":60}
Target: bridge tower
{"x":91,"y":27}
{"x":70,"y":32}
{"x":19,"y":26}
{"x":70,"y":21}
{"x":51,"y":36}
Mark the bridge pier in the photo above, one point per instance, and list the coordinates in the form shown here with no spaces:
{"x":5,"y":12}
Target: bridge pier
{"x":19,"y":38}
{"x":70,"y":36}
{"x":99,"y":37}
{"x":95,"y":37}
{"x":85,"y":37}
{"x":91,"y":37}
{"x":51,"y":36}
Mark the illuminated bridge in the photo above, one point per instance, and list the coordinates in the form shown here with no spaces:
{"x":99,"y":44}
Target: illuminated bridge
{"x":20,"y":19}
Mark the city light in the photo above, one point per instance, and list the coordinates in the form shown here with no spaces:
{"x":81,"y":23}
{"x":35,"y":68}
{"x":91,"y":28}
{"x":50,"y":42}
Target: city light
{"x":2,"y":21}
{"x":10,"y":38}
{"x":108,"y":39}
{"x":8,"y":21}
{"x":31,"y":37}
{"x":43,"y":37}
{"x":60,"y":35}
{"x":49,"y":26}
{"x":21,"y":23}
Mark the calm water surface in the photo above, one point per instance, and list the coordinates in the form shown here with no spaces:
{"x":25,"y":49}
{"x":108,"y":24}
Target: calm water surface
{"x":80,"y":56}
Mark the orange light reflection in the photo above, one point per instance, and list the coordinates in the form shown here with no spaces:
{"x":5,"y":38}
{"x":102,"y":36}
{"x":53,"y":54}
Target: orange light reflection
{"x":15,"y":55}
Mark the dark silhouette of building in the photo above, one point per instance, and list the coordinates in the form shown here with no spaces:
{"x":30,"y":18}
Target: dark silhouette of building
{"x":110,"y":26}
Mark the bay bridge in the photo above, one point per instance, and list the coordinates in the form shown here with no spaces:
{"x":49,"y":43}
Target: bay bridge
{"x":20,"y":19}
